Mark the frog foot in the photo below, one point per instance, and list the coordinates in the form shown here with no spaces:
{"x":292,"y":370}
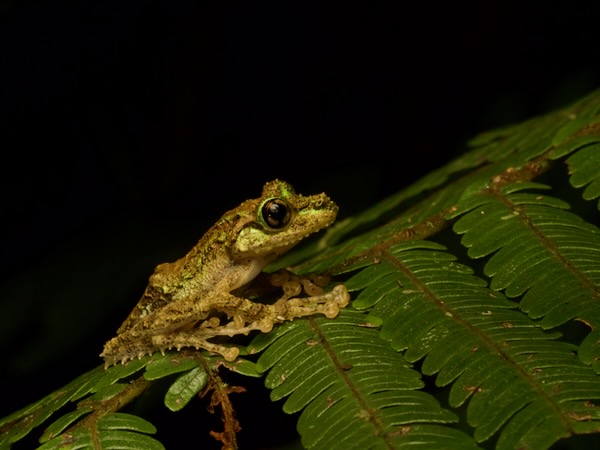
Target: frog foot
{"x":328,"y":304}
{"x":293,"y":285}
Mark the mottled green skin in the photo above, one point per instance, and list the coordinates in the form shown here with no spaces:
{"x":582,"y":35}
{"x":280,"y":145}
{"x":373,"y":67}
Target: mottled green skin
{"x":229,"y":256}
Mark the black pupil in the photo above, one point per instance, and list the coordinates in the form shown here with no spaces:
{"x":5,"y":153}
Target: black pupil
{"x":275,"y":213}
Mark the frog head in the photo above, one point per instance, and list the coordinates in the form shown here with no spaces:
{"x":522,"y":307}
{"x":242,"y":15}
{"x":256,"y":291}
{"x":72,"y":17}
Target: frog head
{"x":279,"y":219}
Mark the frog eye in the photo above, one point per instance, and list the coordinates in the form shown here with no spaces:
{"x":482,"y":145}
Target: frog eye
{"x":276,"y":213}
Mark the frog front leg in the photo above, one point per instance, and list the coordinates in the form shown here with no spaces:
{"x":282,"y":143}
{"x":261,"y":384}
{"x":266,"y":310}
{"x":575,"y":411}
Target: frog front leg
{"x":248,"y":316}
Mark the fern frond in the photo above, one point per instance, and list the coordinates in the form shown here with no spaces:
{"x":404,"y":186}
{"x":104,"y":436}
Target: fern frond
{"x":490,"y":341}
{"x":94,"y":422}
{"x":584,"y":167}
{"x":540,"y":251}
{"x":353,"y":390}
{"x":520,"y":383}
{"x":20,"y":423}
{"x":116,"y":430}
{"x":520,"y":380}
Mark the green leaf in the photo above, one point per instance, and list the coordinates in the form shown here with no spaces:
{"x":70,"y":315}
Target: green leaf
{"x":58,"y":426}
{"x":105,"y":392}
{"x":584,"y":167}
{"x":103,"y":440}
{"x":243,"y":367}
{"x":352,"y":389}
{"x":540,"y":251}
{"x":475,"y":315}
{"x":185,"y":388}
{"x":164,"y":365}
{"x":572,"y":129}
{"x":590,"y":349}
{"x":20,"y":423}
{"x":99,"y":381}
{"x":122,"y":421}
{"x":114,"y":431}
{"x":510,"y":370}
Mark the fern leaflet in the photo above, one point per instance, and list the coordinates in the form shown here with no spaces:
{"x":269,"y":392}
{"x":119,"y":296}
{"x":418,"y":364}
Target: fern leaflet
{"x":353,"y":390}
{"x":116,"y":430}
{"x":585,"y":170}
{"x":540,"y":251}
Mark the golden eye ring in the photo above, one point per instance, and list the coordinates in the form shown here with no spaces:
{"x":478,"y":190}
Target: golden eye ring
{"x":276,"y":213}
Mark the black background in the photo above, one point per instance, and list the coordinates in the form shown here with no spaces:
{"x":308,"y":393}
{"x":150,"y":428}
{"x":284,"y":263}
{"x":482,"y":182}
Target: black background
{"x":128,"y":127}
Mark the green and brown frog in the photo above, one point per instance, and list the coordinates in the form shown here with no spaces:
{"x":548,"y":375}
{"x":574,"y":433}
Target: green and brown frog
{"x":201,"y":295}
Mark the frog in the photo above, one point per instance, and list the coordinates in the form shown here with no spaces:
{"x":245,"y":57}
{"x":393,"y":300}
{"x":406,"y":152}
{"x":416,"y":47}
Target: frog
{"x":201,"y":297}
